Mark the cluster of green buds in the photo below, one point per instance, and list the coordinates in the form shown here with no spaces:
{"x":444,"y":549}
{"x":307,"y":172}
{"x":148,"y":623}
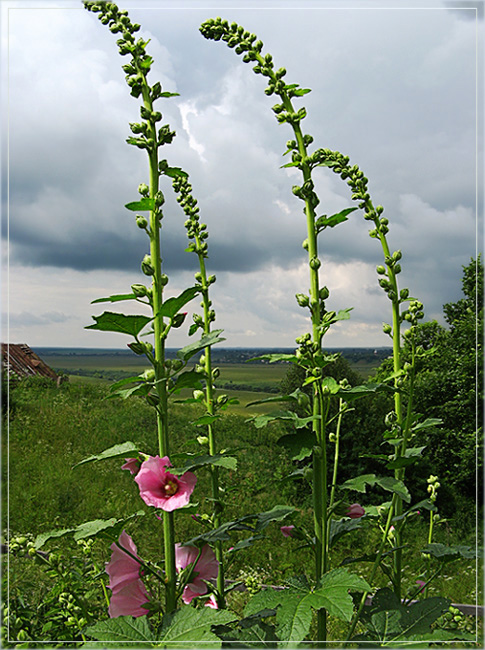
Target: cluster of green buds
{"x":414,"y":313}
{"x":21,"y":545}
{"x":71,"y":611}
{"x":433,"y":486}
{"x":454,"y":619}
{"x":198,"y":236}
{"x":247,"y":44}
{"x":306,"y":301}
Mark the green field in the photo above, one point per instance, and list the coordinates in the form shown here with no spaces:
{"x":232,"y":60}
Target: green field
{"x":41,"y":491}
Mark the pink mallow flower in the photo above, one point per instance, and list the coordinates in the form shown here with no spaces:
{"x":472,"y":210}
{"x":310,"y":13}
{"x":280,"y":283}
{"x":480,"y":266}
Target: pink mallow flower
{"x":422,"y":584}
{"x":355,"y":511}
{"x":212,"y":602}
{"x":132,"y":465}
{"x":128,"y":591}
{"x":286,"y":530}
{"x":206,"y":568}
{"x":161,"y":489}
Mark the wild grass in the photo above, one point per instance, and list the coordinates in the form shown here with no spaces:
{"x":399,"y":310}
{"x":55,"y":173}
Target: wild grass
{"x":52,"y":429}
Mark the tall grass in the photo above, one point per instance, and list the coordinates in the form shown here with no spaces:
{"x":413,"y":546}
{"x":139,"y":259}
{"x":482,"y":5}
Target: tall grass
{"x":52,"y":429}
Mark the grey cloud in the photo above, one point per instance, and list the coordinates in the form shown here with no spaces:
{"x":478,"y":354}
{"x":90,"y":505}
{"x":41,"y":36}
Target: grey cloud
{"x":394,"y":93}
{"x":29,"y":319}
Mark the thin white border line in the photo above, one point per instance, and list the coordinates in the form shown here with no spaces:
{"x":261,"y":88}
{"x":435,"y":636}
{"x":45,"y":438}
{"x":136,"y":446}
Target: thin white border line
{"x":312,"y":7}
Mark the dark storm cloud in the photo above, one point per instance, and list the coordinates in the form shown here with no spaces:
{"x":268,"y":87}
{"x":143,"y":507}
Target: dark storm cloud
{"x":393,"y":88}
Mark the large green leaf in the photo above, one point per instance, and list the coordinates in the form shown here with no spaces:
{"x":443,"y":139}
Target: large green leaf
{"x":449,"y":553}
{"x":88,"y":529}
{"x":172,"y":306}
{"x":115,"y":298}
{"x":124,"y":449}
{"x":359,"y":483}
{"x":411,"y":455}
{"x":299,"y":445}
{"x":417,"y":618}
{"x":192,"y":626}
{"x":141,"y":206}
{"x":188,"y":379}
{"x":294,"y":605}
{"x":113,"y":322}
{"x":193,"y":461}
{"x":207,"y":340}
{"x":122,"y":628}
{"x":389,"y":483}
{"x":340,"y":527}
{"x":389,"y":621}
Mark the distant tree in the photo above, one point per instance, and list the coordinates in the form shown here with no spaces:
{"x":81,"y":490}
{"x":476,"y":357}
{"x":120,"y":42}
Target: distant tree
{"x":449,"y":386}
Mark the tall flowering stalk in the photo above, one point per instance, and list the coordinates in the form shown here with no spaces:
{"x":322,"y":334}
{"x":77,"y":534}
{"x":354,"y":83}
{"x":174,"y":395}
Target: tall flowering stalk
{"x":198,"y":235}
{"x":149,"y":136}
{"x":310,"y":354}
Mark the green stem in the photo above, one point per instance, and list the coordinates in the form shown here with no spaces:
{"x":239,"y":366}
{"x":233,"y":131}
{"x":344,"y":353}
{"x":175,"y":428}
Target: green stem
{"x":336,"y":453}
{"x":214,"y":471}
{"x":159,"y":356}
{"x":319,"y":411}
{"x":375,"y":566}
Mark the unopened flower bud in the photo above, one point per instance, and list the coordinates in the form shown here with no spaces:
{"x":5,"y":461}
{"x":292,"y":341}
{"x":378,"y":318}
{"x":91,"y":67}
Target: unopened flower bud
{"x":148,"y":375}
{"x":141,"y":222}
{"x":198,"y":395}
{"x":302,"y":299}
{"x":136,"y":347}
{"x":143,"y":189}
{"x":324,"y":293}
{"x":381,"y":269}
{"x":147,"y":266}
{"x":386,"y":328}
{"x":178,"y":319}
{"x":153,"y":399}
{"x":140,"y":290}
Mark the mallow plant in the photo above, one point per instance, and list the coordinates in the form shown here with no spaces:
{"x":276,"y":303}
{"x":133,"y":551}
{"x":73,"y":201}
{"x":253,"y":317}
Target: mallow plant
{"x":402,"y":422}
{"x":192,"y":570}
{"x":181,"y":596}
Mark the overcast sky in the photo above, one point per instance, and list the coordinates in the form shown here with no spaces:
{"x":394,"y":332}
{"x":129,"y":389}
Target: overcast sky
{"x":394,"y":86}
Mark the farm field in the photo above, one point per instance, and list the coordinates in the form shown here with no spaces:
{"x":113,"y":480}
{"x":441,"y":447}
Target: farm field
{"x":236,"y":372}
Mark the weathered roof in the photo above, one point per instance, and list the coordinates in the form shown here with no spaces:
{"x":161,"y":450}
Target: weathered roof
{"x":18,"y":359}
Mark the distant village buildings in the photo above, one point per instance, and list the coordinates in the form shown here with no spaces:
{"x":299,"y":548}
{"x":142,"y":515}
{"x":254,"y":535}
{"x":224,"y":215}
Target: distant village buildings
{"x":18,"y":360}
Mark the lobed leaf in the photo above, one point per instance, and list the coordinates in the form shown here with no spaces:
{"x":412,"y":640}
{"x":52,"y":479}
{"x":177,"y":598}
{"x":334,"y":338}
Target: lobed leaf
{"x":172,"y":306}
{"x":142,"y":205}
{"x":122,"y":628}
{"x":193,"y":461}
{"x":192,"y":626}
{"x":115,"y":298}
{"x":114,"y":322}
{"x":205,"y":341}
{"x":124,"y":449}
{"x":88,"y":529}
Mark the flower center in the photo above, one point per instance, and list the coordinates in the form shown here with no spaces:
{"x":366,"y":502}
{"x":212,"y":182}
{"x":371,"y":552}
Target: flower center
{"x":170,"y":487}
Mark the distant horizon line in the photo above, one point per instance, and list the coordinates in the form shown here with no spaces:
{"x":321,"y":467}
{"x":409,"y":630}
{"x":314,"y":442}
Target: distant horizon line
{"x":234,"y":347}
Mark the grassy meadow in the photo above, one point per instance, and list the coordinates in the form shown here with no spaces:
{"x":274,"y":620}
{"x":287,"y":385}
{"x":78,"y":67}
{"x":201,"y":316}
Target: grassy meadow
{"x":51,"y":429}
